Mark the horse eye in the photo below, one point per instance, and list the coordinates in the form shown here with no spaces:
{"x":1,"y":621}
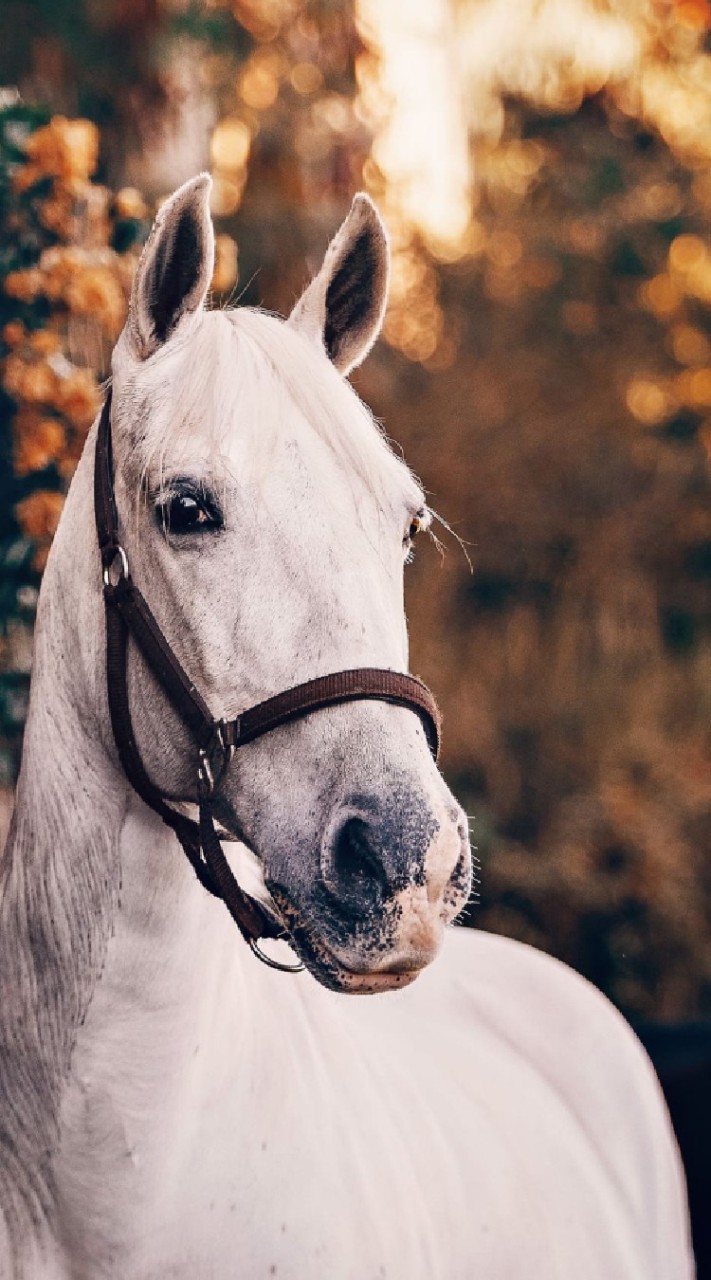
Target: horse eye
{"x":186,"y":513}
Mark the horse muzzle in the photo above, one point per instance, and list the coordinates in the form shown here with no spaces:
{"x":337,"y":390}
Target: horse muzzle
{"x":391,"y":876}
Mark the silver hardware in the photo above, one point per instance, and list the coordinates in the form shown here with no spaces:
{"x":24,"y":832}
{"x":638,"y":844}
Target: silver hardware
{"x":274,"y":964}
{"x":205,"y":774}
{"x":123,"y":575}
{"x":205,"y":768}
{"x":228,"y":751}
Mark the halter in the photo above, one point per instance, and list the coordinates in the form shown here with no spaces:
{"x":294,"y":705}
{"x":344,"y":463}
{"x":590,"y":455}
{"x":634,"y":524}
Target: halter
{"x":128,"y":614}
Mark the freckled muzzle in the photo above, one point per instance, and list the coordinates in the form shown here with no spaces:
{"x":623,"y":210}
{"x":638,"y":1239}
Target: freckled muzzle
{"x":393,"y":872}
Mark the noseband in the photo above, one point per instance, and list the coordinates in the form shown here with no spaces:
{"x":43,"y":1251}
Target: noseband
{"x":128,"y":614}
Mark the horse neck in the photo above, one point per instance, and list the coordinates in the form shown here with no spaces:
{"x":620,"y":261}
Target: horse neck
{"x":80,"y":896}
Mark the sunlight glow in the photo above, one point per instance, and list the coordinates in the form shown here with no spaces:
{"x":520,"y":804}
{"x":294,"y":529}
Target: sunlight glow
{"x":433,"y":85}
{"x":552,"y":51}
{"x":412,"y":100}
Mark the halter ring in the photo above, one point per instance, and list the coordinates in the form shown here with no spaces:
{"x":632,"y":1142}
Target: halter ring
{"x":116,"y":550}
{"x":274,"y":964}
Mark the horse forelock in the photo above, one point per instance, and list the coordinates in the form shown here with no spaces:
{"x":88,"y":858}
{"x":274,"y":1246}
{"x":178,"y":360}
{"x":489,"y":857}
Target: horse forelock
{"x":239,"y":372}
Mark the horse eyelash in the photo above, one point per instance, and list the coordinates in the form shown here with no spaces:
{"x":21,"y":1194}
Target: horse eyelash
{"x":176,"y":485}
{"x":424,"y":520}
{"x":425,"y":517}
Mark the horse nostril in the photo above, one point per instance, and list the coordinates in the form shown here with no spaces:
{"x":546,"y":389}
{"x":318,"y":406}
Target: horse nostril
{"x":352,"y":869}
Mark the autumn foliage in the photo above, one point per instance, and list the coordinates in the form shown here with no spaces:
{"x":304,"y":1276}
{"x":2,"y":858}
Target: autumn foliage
{"x":546,"y":367}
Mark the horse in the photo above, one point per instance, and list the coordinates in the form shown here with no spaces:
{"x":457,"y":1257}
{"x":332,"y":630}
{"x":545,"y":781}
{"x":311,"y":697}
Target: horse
{"x":171,"y":1107}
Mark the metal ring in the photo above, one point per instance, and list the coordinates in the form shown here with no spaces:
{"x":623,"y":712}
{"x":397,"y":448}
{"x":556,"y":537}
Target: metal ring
{"x":106,"y":575}
{"x":274,"y":964}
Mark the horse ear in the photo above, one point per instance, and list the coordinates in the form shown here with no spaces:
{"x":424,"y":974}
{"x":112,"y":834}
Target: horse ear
{"x":343,"y":307}
{"x":175,"y":270}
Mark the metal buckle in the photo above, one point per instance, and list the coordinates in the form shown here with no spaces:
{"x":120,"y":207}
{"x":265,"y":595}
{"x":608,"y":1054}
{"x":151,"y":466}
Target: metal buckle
{"x":227,"y":748}
{"x":116,"y":550}
{"x":206,"y":775}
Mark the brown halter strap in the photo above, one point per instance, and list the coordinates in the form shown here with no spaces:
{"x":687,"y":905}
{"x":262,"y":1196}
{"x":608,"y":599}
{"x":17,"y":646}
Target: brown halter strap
{"x":127,"y":613}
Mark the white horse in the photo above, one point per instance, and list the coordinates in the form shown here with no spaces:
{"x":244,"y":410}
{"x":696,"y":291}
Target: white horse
{"x":169,"y":1107}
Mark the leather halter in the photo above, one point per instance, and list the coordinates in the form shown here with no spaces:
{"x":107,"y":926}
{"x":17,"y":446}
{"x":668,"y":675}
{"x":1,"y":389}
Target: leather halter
{"x":127,"y":613}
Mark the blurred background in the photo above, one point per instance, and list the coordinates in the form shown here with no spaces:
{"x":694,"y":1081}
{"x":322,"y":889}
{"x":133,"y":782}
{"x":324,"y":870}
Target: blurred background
{"x":544,"y":169}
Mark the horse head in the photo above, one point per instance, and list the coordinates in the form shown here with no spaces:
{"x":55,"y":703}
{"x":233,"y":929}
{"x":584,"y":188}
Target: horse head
{"x":268,"y":523}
